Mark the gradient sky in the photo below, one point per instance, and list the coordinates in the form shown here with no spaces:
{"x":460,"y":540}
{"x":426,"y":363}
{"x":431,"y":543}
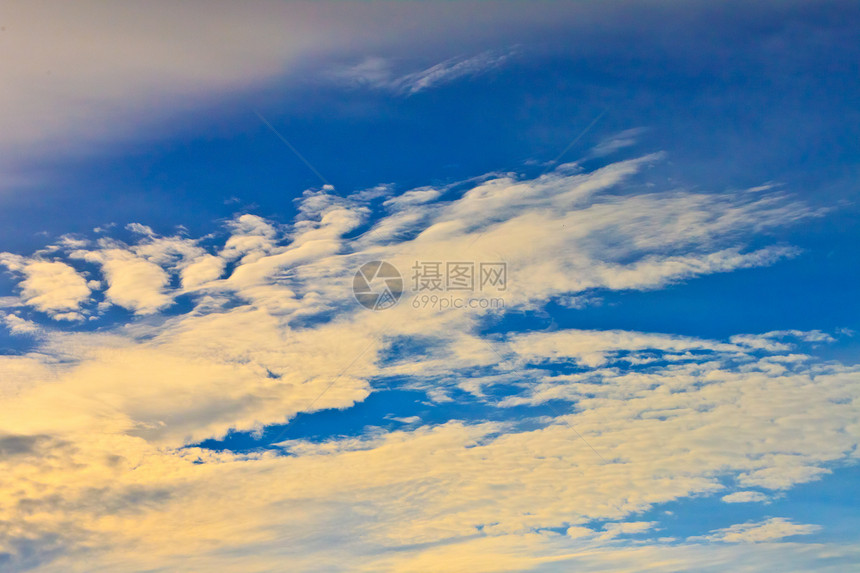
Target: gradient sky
{"x":667,"y":380}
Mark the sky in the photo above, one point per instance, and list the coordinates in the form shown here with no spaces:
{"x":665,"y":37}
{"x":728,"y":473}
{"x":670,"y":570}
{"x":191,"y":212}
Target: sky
{"x":440,"y":287}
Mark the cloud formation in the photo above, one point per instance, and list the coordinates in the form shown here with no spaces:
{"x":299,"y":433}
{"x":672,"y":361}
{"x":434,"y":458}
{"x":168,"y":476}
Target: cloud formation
{"x":105,"y":427}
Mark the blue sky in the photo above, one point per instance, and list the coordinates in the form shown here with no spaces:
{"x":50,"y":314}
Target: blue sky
{"x":668,"y":379}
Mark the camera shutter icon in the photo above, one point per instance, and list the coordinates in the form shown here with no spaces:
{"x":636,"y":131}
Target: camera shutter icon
{"x":377,"y":285}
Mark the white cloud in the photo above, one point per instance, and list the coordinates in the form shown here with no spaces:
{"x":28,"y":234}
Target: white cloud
{"x":670,"y":417}
{"x":252,"y":236}
{"x":52,"y":287}
{"x":448,"y":71}
{"x":377,"y":73}
{"x":757,"y":532}
{"x":140,"y":229}
{"x":202,"y":270}
{"x":133,"y":282}
{"x":370,"y":72}
{"x":745,"y":497}
{"x":548,"y":554}
{"x":665,"y":434}
{"x":18,"y":325}
{"x":783,"y":473}
{"x":613,"y":530}
{"x":414,"y":197}
{"x":615,"y":142}
{"x":593,"y":347}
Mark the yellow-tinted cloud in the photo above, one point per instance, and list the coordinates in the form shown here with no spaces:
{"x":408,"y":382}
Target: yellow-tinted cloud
{"x":101,"y":470}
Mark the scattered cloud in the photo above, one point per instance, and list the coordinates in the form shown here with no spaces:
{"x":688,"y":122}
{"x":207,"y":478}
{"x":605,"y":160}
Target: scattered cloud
{"x":114,"y":417}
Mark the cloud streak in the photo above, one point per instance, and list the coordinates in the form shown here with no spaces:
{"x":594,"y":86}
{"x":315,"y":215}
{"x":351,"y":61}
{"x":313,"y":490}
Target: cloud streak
{"x":377,"y":73}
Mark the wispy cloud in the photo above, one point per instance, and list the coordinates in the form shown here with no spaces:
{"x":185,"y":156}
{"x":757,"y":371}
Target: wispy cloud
{"x":378,"y":73}
{"x":618,"y":141}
